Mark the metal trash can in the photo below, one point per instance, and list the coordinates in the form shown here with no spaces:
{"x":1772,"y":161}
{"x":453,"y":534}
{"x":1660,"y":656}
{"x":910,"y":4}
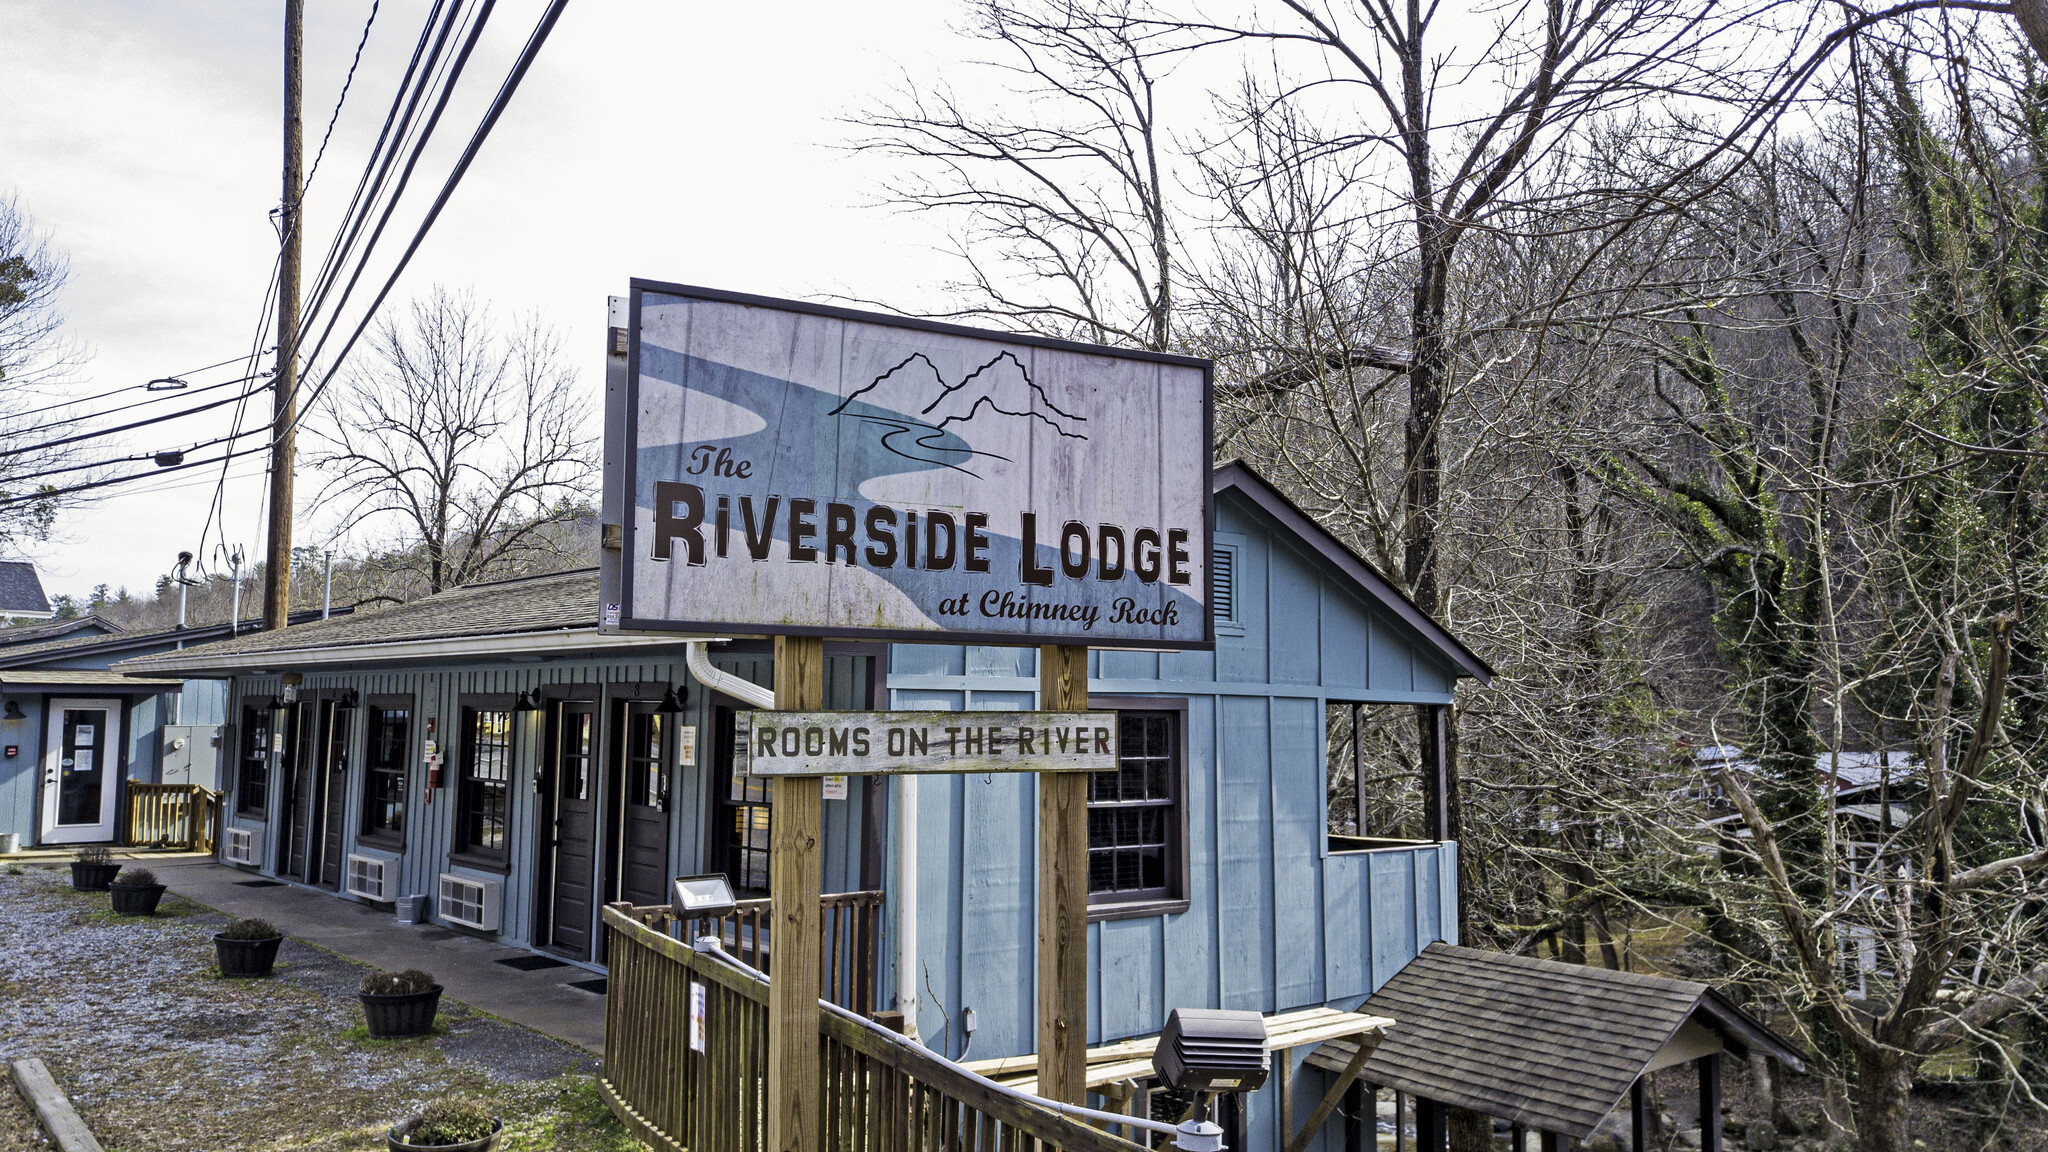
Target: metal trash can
{"x":411,"y":909}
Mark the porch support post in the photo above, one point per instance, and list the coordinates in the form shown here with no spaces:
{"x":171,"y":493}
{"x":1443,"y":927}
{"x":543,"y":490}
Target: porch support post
{"x":794,"y":880}
{"x":1436,"y":771}
{"x":1639,"y":1115}
{"x":1063,"y":893}
{"x":1299,"y":1141}
{"x":1361,"y":1108}
{"x":1358,"y":768}
{"x":1551,"y":1142}
{"x":1709,"y":1068}
{"x":1430,"y":1129}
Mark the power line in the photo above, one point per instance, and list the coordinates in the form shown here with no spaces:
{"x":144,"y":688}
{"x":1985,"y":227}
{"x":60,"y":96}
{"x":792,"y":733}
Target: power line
{"x":123,"y":459}
{"x":49,"y":493}
{"x":7,"y":452}
{"x":115,"y":391}
{"x":346,"y":83}
{"x":158,"y":399}
{"x":506,"y":90}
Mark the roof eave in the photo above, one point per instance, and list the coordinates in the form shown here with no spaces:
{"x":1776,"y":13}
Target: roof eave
{"x":559,"y":641}
{"x":1256,"y":488}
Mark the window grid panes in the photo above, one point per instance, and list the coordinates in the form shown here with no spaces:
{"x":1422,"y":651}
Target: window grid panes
{"x":646,"y":771}
{"x":1131,"y":817}
{"x":486,"y":780}
{"x":576,"y":754}
{"x":390,"y":747}
{"x":253,"y":788}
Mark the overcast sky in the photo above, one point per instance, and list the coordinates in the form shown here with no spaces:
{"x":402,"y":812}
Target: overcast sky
{"x":679,"y":141}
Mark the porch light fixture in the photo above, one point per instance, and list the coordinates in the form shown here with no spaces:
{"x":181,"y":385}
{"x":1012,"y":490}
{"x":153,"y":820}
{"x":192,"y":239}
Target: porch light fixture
{"x":673,"y":701}
{"x":1212,"y":1050}
{"x":13,"y":711}
{"x":348,"y":699}
{"x":529,"y":701}
{"x":694,"y":896}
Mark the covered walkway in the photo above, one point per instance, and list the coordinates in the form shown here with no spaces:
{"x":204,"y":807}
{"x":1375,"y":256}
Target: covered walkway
{"x":535,"y":991}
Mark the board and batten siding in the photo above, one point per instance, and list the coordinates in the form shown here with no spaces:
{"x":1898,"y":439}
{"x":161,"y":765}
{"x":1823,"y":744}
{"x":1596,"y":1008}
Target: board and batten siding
{"x":439,"y":692}
{"x":1275,"y":921}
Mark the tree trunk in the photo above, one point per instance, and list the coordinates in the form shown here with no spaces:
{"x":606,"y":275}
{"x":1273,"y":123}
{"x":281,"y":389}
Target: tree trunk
{"x":1469,"y":1131}
{"x":1884,"y":1081}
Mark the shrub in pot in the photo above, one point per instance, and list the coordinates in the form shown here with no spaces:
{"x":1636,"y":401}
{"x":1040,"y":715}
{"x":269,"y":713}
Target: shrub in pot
{"x":457,"y":1124}
{"x":399,"y":1004}
{"x":247,"y":947}
{"x":135,"y":892}
{"x":93,"y":869}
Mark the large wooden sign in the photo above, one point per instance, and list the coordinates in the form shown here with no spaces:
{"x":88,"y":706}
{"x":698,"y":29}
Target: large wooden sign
{"x":792,"y":469}
{"x":899,"y":743}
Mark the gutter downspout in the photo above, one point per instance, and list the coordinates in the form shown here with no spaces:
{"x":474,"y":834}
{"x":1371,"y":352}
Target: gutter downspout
{"x":698,"y":659}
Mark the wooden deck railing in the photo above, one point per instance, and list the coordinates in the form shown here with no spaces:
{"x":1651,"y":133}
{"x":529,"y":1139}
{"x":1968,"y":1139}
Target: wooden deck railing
{"x":173,"y":816}
{"x":850,"y":947}
{"x":876,"y":1095}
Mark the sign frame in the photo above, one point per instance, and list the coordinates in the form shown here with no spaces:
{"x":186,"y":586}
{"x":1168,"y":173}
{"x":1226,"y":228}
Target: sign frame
{"x":622,"y":481}
{"x":994,"y":746}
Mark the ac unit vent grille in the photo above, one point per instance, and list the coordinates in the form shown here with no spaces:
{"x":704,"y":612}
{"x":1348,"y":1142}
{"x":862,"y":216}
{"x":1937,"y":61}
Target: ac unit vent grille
{"x":470,"y":902}
{"x":372,"y":878}
{"x":239,"y":846}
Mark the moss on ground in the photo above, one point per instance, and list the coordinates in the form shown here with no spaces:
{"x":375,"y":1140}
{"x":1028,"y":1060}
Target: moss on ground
{"x":160,"y":1054}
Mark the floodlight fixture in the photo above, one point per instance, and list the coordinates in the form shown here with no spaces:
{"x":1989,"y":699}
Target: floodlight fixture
{"x":1212,"y":1050}
{"x":701,"y":896}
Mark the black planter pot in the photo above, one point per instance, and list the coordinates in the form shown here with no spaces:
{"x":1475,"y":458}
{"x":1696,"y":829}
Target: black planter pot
{"x":246,"y":957}
{"x":93,"y":877}
{"x":396,"y":1017}
{"x":135,"y":899}
{"x":393,"y":1143}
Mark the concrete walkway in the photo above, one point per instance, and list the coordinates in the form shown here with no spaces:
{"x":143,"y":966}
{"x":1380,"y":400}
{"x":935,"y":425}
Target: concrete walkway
{"x":466,"y":966}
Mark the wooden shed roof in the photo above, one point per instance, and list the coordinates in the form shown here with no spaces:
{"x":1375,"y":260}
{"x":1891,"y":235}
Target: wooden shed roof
{"x":1553,"y":1046}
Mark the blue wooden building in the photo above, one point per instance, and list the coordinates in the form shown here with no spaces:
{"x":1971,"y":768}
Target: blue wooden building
{"x":73,"y":732}
{"x":488,"y":748}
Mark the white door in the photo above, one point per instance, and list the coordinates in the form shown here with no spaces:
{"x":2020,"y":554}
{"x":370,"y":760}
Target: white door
{"x":81,"y":771}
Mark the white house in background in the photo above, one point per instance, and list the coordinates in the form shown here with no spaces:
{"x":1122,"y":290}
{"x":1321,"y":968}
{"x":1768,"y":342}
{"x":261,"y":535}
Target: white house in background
{"x":21,"y":593}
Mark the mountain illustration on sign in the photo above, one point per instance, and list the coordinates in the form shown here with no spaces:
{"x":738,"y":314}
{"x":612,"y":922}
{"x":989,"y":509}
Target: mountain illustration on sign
{"x":915,"y":390}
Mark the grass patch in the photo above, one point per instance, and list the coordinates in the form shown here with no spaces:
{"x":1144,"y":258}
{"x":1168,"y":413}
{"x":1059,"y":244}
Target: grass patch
{"x":575,"y":1117}
{"x":360,"y":1034}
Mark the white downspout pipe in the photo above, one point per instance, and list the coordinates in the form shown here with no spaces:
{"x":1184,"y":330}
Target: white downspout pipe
{"x":906,"y":903}
{"x":698,"y":658}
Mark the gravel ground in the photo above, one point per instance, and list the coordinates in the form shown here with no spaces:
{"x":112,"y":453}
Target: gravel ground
{"x":159,"y":1053}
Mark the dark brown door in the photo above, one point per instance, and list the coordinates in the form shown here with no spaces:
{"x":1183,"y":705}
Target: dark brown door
{"x":641,"y":758}
{"x":335,"y":723}
{"x":570,"y":845}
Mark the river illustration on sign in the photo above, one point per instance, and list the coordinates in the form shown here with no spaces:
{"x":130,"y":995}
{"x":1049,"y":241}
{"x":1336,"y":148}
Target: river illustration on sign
{"x":800,"y":469}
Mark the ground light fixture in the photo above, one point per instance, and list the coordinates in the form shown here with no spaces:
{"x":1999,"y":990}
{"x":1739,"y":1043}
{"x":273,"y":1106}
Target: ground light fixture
{"x":691,"y":897}
{"x":1212,"y":1050}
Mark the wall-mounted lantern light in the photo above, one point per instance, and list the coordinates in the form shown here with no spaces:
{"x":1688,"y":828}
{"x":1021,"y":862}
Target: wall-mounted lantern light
{"x":13,"y":711}
{"x":674,"y":700}
{"x":528,"y":701}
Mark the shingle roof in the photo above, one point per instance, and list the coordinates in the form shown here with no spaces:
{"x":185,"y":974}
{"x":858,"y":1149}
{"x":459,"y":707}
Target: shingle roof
{"x":21,"y":590}
{"x":116,"y":642}
{"x":532,"y":604}
{"x":1550,"y":1045}
{"x":50,"y":630}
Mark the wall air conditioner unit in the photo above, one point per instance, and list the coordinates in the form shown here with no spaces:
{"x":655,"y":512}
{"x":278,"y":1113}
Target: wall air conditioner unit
{"x":372,"y":877}
{"x":470,"y":902}
{"x":241,"y":845}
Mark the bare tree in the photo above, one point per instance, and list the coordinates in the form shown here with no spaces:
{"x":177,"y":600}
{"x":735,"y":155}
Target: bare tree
{"x":472,"y":445}
{"x":1065,"y":218}
{"x":34,"y":361}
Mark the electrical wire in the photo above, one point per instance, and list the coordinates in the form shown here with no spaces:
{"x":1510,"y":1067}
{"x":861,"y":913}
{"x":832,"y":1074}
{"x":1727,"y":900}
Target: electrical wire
{"x":506,"y":90}
{"x":82,"y":436}
{"x":48,"y":493}
{"x":158,"y":399}
{"x":117,"y":391}
{"x":124,"y":459}
{"x":347,"y":82}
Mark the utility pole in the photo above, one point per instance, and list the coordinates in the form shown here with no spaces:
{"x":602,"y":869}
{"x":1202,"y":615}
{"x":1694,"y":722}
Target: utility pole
{"x":327,"y":596}
{"x":277,"y":574}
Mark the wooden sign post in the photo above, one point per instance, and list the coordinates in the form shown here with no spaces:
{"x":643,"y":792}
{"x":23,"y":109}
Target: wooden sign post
{"x":794,"y":879}
{"x":1063,"y":893}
